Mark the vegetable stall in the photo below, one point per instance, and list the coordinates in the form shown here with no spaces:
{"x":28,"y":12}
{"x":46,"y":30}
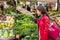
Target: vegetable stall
{"x":20,"y":24}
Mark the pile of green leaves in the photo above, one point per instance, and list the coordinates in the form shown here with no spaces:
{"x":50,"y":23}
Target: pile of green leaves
{"x":25,"y":26}
{"x":10,"y":10}
{"x":54,"y":13}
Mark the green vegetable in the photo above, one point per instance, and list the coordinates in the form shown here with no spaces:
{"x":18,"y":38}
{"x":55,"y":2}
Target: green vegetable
{"x":24,"y":25}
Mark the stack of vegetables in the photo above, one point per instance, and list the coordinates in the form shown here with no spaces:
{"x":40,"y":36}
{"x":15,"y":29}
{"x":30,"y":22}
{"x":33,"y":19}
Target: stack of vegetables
{"x":54,"y":13}
{"x":10,"y":10}
{"x":6,"y":27}
{"x":25,"y":27}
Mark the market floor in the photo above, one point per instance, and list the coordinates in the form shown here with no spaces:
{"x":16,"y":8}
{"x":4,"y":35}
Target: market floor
{"x":59,"y":38}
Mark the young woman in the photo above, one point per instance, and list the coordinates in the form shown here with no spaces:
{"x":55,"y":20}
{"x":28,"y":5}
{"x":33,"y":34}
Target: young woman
{"x":43,"y":23}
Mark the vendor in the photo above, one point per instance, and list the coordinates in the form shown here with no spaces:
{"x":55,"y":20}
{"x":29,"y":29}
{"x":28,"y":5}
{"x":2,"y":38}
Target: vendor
{"x":2,"y":8}
{"x":28,"y":8}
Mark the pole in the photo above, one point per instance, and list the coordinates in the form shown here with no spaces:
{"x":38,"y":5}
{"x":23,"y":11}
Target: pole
{"x":57,"y":5}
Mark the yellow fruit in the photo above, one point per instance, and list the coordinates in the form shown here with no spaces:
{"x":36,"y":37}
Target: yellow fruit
{"x":5,"y":24}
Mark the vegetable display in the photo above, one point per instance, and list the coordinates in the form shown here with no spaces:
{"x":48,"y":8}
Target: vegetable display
{"x":6,"y":27}
{"x":25,"y":26}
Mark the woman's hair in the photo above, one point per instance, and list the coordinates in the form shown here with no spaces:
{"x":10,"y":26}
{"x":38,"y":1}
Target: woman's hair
{"x":43,"y":10}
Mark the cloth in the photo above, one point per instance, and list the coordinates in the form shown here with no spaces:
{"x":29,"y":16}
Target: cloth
{"x":43,"y":25}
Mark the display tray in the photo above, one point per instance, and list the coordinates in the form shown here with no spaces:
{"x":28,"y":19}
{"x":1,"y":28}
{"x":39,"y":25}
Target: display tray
{"x":9,"y":38}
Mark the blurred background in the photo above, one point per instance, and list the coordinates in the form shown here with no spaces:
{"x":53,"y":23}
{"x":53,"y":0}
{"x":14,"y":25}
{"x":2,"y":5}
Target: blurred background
{"x":18,"y":18}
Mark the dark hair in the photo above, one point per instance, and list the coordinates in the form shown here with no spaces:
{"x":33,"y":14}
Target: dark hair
{"x":42,"y":10}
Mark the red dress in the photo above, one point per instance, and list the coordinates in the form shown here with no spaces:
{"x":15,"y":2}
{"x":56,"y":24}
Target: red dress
{"x":43,"y":24}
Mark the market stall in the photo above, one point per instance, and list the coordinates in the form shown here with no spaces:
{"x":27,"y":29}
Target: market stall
{"x":16,"y":25}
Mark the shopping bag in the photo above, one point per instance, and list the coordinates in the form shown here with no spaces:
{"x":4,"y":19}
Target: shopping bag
{"x":53,"y":30}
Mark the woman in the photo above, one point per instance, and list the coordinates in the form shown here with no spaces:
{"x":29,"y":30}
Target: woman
{"x":43,"y":23}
